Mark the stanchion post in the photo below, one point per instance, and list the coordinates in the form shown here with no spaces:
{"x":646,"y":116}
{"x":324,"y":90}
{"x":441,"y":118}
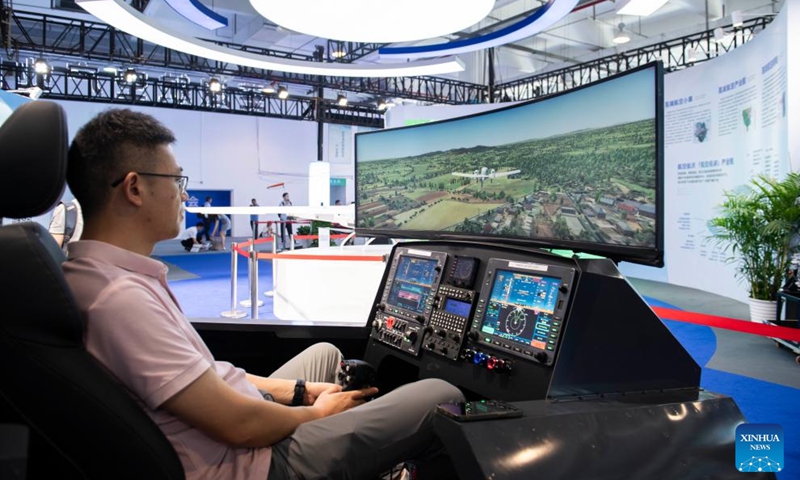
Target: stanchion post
{"x":252,"y":276}
{"x":271,"y":293}
{"x":233,"y":312}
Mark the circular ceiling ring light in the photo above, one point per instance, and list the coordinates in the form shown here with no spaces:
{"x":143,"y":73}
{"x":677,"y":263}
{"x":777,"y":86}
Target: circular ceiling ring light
{"x":545,"y":16}
{"x":122,"y":16}
{"x":372,"y":21}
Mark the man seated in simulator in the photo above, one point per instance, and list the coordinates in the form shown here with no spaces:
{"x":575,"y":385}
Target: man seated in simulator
{"x":223,"y":422}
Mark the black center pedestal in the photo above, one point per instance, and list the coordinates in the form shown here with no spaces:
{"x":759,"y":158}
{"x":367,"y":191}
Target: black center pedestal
{"x":679,"y":435}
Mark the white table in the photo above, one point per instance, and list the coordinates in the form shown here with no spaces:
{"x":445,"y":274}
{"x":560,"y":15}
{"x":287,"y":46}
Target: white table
{"x":327,"y":290}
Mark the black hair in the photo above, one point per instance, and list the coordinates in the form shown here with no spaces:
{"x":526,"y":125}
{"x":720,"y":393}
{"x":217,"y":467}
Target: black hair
{"x":100,"y":153}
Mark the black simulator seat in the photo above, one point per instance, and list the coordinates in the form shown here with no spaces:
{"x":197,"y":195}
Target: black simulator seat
{"x":47,"y":378}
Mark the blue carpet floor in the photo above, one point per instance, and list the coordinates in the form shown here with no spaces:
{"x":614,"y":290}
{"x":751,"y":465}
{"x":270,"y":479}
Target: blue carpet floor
{"x":210,"y":294}
{"x":759,"y":401}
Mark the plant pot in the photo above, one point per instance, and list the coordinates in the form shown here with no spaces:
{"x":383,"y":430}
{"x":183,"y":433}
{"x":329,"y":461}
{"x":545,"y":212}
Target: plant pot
{"x":762,"y":311}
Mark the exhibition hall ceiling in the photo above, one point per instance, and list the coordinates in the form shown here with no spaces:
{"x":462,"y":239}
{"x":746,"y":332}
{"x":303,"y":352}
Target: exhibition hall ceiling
{"x":585,"y":34}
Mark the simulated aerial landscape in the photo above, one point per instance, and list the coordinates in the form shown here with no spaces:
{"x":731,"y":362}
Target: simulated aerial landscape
{"x":594,"y":185}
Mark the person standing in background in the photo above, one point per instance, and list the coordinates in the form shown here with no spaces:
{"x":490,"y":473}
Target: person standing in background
{"x":254,"y":219}
{"x":223,"y":224}
{"x":66,"y":224}
{"x":206,"y":220}
{"x":286,"y":226}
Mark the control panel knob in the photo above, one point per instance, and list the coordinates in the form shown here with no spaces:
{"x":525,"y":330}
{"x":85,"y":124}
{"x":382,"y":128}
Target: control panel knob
{"x":444,"y":350}
{"x":456,"y":338}
{"x":473,"y":335}
{"x":377,"y":324}
{"x":420,"y":318}
{"x":542,"y":357}
{"x":479,"y":358}
{"x":468,"y":354}
{"x":507,"y":366}
{"x":563,"y":289}
{"x":494,"y":364}
{"x":442,"y":333}
{"x":412,"y":336}
{"x":438,"y":268}
{"x":428,"y":330}
{"x":381,"y":306}
{"x":431,"y":346}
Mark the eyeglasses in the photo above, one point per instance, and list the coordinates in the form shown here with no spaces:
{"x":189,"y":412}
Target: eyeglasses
{"x":182,"y":181}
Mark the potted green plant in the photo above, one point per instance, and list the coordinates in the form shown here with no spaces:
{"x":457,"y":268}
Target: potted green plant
{"x":303,"y":230}
{"x":757,"y":227}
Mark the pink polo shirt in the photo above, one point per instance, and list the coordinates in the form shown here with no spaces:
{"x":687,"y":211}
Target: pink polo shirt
{"x":135,"y":327}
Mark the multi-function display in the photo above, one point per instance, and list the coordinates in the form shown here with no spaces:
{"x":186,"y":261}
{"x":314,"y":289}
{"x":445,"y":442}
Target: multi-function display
{"x":412,"y":283}
{"x":521,"y":307}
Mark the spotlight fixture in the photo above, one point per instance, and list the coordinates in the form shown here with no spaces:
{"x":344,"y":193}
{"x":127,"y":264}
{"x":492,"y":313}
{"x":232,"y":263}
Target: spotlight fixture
{"x":336,"y":49}
{"x":283,"y":92}
{"x":41,"y":67}
{"x":341,"y":100}
{"x":737,"y":19}
{"x":622,"y":36}
{"x":131,"y":76}
{"x":110,"y":69}
{"x":269,"y":88}
{"x":381,"y":104}
{"x":214,"y":86}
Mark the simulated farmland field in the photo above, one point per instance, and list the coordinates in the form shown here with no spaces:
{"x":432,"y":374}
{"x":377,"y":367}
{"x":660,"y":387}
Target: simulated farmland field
{"x":595,"y":185}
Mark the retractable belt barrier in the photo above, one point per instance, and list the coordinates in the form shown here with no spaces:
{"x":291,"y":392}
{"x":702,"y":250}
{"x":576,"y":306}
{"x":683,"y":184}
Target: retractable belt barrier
{"x":763,"y":329}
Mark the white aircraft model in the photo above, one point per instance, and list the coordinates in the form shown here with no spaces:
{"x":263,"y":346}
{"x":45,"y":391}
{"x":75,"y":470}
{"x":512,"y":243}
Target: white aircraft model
{"x":483,"y":173}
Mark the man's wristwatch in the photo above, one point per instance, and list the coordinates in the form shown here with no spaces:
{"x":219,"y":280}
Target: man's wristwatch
{"x":299,"y":392}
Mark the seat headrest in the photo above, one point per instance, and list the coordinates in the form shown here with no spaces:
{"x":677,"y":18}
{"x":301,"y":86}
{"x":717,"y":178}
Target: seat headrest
{"x":33,"y":159}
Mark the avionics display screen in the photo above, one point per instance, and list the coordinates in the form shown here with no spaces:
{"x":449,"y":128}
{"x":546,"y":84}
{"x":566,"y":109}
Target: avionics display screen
{"x":457,"y":307}
{"x":581,"y":170}
{"x":411,"y":286}
{"x":521,"y":307}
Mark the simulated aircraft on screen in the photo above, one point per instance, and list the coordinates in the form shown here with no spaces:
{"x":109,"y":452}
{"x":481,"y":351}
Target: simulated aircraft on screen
{"x":483,"y":173}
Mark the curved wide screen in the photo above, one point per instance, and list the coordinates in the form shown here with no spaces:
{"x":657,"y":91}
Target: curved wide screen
{"x":580,"y":170}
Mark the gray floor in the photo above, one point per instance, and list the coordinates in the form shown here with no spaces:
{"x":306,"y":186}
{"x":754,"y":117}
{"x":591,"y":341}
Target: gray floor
{"x":739,"y":353}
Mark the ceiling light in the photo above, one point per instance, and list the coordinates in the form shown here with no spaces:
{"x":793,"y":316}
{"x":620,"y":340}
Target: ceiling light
{"x":41,"y":67}
{"x":641,"y":8}
{"x":621,"y":36}
{"x":269,"y":88}
{"x":124,"y":17}
{"x":110,"y":69}
{"x":737,"y":19}
{"x":365,"y":20}
{"x":131,"y":75}
{"x":197,"y":13}
{"x":283,"y":92}
{"x":214,"y":86}
{"x":719,"y":35}
{"x":341,"y":100}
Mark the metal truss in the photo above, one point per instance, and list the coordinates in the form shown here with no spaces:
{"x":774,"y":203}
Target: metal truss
{"x":675,"y":54}
{"x":42,"y":35}
{"x":178,"y":92}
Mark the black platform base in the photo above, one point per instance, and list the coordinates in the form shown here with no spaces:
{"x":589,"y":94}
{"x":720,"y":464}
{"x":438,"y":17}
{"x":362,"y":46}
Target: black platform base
{"x":679,"y":435}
